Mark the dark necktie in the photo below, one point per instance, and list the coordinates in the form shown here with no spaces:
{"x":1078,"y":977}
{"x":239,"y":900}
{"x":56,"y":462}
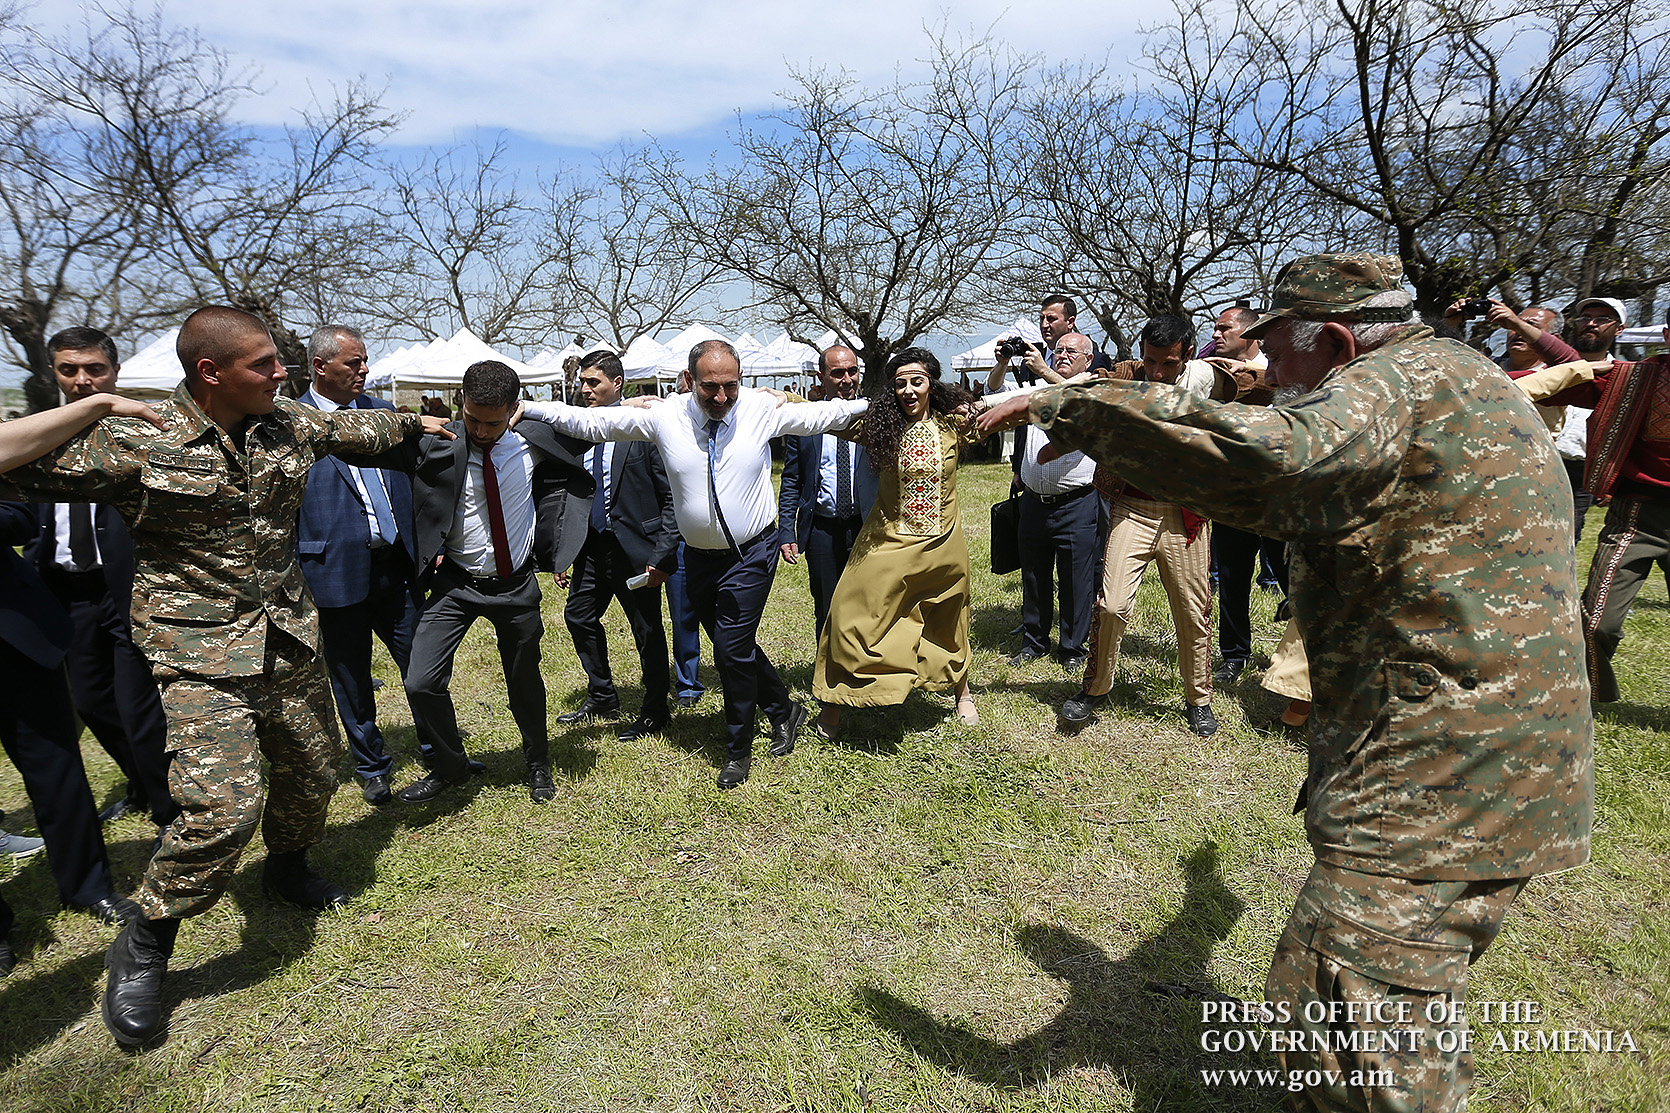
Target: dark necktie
{"x":843,"y":479}
{"x":495,"y":515}
{"x":82,"y":550}
{"x":713,"y":425}
{"x":600,"y":497}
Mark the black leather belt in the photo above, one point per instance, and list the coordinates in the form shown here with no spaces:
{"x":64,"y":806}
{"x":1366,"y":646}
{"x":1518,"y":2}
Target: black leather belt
{"x":492,"y":583}
{"x":1065,"y":496}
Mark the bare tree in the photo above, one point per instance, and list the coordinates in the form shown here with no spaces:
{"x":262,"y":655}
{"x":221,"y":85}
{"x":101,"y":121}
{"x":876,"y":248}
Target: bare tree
{"x":463,"y":249}
{"x":628,"y":270}
{"x":66,"y":244}
{"x":875,"y":214}
{"x":229,"y":215}
{"x":1433,"y":122}
{"x":1140,"y":212}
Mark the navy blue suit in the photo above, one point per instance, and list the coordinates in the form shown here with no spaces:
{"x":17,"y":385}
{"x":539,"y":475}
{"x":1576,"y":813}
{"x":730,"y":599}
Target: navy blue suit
{"x":825,"y":541}
{"x":360,"y":591}
{"x":37,"y":722}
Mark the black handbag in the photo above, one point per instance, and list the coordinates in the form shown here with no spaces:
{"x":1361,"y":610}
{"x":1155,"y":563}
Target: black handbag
{"x":1006,"y":536}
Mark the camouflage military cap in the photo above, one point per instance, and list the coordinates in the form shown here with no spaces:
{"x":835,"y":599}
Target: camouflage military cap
{"x":1334,"y":287}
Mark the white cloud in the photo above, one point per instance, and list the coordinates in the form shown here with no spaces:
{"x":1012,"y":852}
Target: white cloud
{"x":588,"y":72}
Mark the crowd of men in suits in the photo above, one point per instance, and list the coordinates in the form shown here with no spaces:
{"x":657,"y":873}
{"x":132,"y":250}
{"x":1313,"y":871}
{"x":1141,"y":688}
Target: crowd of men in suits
{"x":411,"y":538}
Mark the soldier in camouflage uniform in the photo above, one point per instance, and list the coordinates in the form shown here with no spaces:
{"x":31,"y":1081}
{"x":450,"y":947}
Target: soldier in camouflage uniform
{"x":1451,"y":743}
{"x":222,"y":613}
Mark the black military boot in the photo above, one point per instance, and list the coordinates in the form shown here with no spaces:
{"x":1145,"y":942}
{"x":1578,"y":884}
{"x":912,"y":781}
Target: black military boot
{"x":288,"y":878}
{"x":133,"y":990}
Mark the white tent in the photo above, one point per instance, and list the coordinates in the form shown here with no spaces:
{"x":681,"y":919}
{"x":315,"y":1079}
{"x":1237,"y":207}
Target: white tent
{"x":443,"y":363}
{"x":984,"y":356}
{"x":153,"y":371}
{"x":645,"y":358}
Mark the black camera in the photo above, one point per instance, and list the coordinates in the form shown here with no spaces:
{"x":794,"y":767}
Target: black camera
{"x":1474,"y":307}
{"x":1015,"y":347}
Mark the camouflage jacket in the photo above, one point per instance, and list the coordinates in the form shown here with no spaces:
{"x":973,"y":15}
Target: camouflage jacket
{"x":1433,"y":579}
{"x":214,"y":529}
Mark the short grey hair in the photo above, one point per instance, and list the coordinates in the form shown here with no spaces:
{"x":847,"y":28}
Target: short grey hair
{"x":326,"y":341}
{"x":707,"y":346}
{"x":1369,"y":334}
{"x":1557,"y":322}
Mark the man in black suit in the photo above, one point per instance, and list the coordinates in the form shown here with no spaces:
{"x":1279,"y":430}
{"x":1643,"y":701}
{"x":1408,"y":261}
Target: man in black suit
{"x":357,"y":542}
{"x":491,"y":505}
{"x":828,"y":489}
{"x":631,"y":533}
{"x":84,"y":554}
{"x":38,"y":731}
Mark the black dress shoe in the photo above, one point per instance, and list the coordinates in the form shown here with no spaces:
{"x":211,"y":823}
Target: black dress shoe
{"x":477,"y":768}
{"x":644,"y":726}
{"x":540,"y":788}
{"x":377,"y":789}
{"x":115,"y":811}
{"x":110,"y":910}
{"x":588,"y":710}
{"x":1201,"y":719}
{"x":783,"y":734}
{"x":288,"y":877}
{"x":685,"y":703}
{"x":430,"y":786}
{"x":1229,"y":672}
{"x":1078,"y":709}
{"x":1075,"y":663}
{"x":1024,"y":657}
{"x":734,"y":773}
{"x":137,"y":962}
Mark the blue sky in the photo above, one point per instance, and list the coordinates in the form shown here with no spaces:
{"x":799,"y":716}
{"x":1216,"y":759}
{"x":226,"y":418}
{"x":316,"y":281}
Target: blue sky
{"x":562,"y":82}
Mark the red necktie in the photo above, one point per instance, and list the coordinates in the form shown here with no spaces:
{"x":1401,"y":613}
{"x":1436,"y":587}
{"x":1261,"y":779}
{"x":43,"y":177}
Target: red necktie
{"x":495,"y":515}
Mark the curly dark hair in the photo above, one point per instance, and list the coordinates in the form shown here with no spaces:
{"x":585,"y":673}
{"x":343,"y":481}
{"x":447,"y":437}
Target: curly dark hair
{"x":884,"y":422}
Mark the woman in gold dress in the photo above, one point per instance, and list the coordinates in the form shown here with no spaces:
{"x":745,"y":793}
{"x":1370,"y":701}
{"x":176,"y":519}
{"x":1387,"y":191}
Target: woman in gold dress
{"x":899,"y":616}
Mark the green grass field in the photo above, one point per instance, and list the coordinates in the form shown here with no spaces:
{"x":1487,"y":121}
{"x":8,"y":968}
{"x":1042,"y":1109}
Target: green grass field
{"x":922,"y":916}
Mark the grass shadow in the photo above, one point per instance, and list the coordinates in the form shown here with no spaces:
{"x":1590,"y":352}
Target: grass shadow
{"x":273,"y":935}
{"x":992,"y":627}
{"x":40,"y":1001}
{"x":1642,"y":715}
{"x":882,"y":730}
{"x":1137,"y":1016}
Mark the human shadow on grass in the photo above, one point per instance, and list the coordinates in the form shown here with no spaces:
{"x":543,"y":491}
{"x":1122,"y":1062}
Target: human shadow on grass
{"x":1630,"y":714}
{"x":1138,"y":1016}
{"x":273,"y":935}
{"x":40,"y":1002}
{"x":882,"y":730}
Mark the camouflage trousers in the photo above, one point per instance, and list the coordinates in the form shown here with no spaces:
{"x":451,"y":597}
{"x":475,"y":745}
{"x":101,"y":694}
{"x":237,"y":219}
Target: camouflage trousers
{"x":219,"y":728}
{"x":1373,"y":970}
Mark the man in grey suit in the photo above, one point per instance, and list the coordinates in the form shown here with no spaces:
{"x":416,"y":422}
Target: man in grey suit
{"x":491,"y":506}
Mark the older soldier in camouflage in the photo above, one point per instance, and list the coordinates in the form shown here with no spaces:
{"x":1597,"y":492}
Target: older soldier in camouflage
{"x":222,"y":613}
{"x":1451,"y":743}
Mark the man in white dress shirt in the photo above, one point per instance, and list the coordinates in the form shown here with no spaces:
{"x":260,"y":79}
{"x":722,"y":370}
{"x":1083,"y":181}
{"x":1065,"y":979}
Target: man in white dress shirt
{"x":1061,"y":532}
{"x":492,"y":505}
{"x":716,"y":443}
